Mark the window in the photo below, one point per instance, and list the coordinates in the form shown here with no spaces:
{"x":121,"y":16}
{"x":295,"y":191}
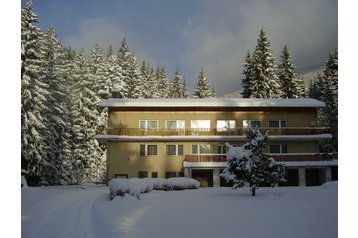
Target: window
{"x":170,"y":174}
{"x":200,"y":125}
{"x":278,"y":149}
{"x":145,"y":150}
{"x":174,"y":150}
{"x":142,"y":174}
{"x":154,"y":174}
{"x":278,"y":123}
{"x":221,"y":149}
{"x":148,"y":124}
{"x":200,"y":149}
{"x":225,"y":125}
{"x":175,"y":124}
{"x":121,"y":176}
{"x":251,"y":123}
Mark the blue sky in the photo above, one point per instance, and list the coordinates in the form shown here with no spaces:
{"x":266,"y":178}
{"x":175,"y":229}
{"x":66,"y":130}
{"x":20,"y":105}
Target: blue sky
{"x":192,"y":34}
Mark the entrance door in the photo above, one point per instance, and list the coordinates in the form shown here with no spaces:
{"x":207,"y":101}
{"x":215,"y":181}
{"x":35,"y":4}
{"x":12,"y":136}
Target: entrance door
{"x":204,"y":176}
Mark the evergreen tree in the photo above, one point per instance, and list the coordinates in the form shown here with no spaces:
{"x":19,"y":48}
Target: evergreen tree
{"x":263,"y":78}
{"x":130,"y":71}
{"x":291,"y":86}
{"x":325,"y":89}
{"x":115,"y":85}
{"x":178,"y":87}
{"x":57,"y":133}
{"x":149,"y":87}
{"x":85,"y":121}
{"x":202,"y":88}
{"x":248,"y":71}
{"x":161,"y":83}
{"x":250,"y":164}
{"x":34,"y":93}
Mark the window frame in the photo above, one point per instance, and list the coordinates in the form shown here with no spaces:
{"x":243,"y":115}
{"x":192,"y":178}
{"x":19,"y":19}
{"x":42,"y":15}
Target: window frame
{"x":176,"y":121}
{"x":279,"y":123}
{"x":198,"y":146}
{"x":225,"y":128}
{"x":176,"y":150}
{"x":146,"y":150}
{"x":283,"y":148}
{"x":146,"y":124}
{"x":200,"y":129}
{"x":249,"y":123}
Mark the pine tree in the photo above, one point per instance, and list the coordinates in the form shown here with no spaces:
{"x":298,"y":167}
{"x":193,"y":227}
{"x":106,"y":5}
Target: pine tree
{"x":248,"y":71}
{"x":202,"y":88}
{"x":263,"y":78}
{"x":325,"y":89}
{"x":34,"y":93}
{"x":250,"y":164}
{"x":178,"y":87}
{"x":85,"y":121}
{"x":161,"y":83}
{"x":57,"y":133}
{"x":291,"y":86}
{"x":130,"y":71}
{"x":149,"y":87}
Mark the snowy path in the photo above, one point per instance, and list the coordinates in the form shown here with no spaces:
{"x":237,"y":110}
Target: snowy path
{"x":60,"y":212}
{"x":208,"y":212}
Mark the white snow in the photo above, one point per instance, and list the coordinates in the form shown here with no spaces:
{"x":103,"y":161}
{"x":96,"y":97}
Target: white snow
{"x":212,"y":102}
{"x":70,"y":211}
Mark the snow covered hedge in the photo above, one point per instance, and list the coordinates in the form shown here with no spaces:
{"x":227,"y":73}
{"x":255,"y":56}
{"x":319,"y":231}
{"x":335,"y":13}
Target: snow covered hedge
{"x":136,"y":186}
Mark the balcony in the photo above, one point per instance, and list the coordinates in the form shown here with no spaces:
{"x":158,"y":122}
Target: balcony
{"x":212,"y":132}
{"x":294,"y":157}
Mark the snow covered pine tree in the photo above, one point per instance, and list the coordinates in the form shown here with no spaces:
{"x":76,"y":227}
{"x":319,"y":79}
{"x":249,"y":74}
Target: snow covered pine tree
{"x":249,"y":164}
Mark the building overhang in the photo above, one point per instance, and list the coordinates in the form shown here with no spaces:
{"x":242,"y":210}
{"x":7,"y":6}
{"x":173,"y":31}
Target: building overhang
{"x":105,"y":139}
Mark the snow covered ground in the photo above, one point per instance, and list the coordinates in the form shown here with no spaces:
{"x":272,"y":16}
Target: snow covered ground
{"x":86,"y":211}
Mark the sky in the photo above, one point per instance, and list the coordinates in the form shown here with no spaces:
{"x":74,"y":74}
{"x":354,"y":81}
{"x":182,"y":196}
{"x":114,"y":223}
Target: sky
{"x":191,"y":34}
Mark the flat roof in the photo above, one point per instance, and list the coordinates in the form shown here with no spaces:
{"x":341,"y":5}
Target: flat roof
{"x":212,"y":102}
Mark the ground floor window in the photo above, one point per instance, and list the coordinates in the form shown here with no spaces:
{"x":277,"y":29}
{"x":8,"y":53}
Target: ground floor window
{"x":170,"y":174}
{"x":121,"y":176}
{"x":142,"y":174}
{"x":154,"y":174}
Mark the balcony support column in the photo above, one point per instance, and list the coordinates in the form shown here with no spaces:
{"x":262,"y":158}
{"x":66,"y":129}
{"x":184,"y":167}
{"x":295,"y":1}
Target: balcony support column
{"x":301,"y":177}
{"x":328,"y":174}
{"x":187,"y":172}
{"x":216,"y":177}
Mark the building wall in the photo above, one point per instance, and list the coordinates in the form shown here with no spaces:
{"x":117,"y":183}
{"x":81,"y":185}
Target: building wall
{"x":124,"y":158}
{"x":295,"y":118}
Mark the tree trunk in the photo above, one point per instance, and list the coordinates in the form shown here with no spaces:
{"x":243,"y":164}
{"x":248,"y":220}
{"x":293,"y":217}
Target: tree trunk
{"x":253,"y":190}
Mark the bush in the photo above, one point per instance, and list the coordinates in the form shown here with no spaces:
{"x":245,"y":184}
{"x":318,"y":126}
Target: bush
{"x":136,"y":186}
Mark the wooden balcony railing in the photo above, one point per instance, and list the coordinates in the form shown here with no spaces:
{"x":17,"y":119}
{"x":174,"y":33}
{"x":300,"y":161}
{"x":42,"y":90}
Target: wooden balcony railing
{"x":277,"y":157}
{"x":212,"y":132}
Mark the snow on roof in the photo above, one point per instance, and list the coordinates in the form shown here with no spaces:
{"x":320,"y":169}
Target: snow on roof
{"x":212,"y":102}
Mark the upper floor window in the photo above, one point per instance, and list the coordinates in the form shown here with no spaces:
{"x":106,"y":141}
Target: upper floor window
{"x":202,"y":125}
{"x":175,"y":124}
{"x":174,"y":150}
{"x":278,"y":149}
{"x":277,"y":123}
{"x":225,"y":125}
{"x":251,"y":123}
{"x":146,"y":150}
{"x":148,"y":124}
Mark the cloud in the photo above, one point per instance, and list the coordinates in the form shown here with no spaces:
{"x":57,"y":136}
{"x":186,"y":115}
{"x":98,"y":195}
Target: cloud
{"x":224,"y":31}
{"x":94,"y":30}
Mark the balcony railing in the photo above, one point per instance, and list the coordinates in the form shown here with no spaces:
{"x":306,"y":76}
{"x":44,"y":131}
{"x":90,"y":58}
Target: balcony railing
{"x":277,"y":157}
{"x":212,"y":132}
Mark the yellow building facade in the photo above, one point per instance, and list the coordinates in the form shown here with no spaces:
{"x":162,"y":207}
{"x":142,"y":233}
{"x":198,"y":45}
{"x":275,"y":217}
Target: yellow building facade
{"x":186,"y":137}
